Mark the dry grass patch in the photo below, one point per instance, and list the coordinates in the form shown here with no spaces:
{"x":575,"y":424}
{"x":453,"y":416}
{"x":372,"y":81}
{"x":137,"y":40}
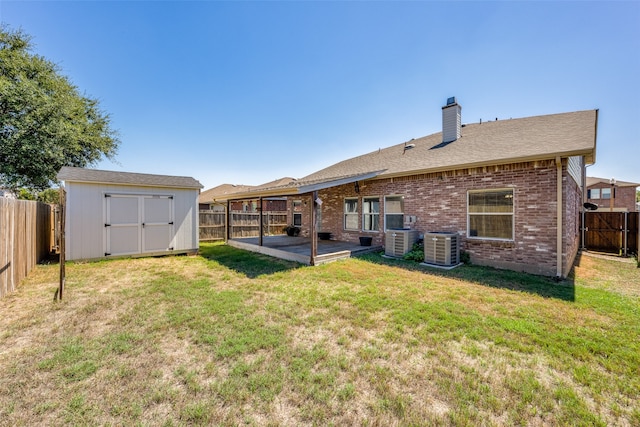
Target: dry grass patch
{"x":232,"y":338}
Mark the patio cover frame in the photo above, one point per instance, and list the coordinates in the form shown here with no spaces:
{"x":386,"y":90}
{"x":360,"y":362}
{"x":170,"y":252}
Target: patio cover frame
{"x":300,"y":188}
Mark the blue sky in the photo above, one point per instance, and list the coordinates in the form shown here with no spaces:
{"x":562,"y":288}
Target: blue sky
{"x":246,"y":92}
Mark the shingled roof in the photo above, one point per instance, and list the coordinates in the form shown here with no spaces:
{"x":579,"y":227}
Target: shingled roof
{"x":489,"y":143}
{"x":72,"y":174}
{"x":224,"y":191}
{"x":221,"y":190}
{"x":481,"y":144}
{"x":592,"y":180}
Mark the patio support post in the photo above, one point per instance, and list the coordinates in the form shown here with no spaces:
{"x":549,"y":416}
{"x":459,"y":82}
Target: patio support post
{"x":227,"y":222}
{"x":314,"y":234}
{"x":626,"y":231}
{"x":260,"y":227}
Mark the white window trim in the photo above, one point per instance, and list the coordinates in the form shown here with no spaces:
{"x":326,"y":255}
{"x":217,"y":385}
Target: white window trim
{"x":385,"y":209}
{"x":371,"y":214}
{"x":513,"y":221}
{"x":345,"y":213}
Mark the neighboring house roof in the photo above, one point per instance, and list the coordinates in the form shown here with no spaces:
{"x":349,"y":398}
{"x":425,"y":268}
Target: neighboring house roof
{"x":593,"y":181}
{"x":265,"y":189}
{"x":481,"y":144}
{"x":208,"y":196}
{"x":72,"y":174}
{"x":275,"y":183}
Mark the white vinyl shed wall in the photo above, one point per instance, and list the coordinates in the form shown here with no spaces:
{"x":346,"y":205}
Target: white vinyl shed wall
{"x":88,"y":232}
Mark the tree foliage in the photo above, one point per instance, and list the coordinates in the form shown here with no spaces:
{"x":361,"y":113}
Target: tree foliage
{"x":45,"y":123}
{"x":50,"y":195}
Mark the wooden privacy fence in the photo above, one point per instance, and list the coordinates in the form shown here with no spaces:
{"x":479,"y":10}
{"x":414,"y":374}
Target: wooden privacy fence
{"x":212,"y":225}
{"x":613,"y":232}
{"x":243,"y":224}
{"x":26,"y":238}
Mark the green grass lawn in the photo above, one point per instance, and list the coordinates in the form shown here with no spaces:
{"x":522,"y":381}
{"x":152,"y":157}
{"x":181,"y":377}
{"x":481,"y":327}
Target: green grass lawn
{"x":236,"y":338}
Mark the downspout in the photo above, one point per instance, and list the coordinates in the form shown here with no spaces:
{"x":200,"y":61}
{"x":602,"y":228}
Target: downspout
{"x":583,"y":210}
{"x":559,"y":232}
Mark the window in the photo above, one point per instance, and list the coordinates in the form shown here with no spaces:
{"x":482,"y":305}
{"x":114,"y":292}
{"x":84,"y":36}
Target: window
{"x":350,"y":214}
{"x":606,"y":193}
{"x":491,"y":214}
{"x":297,"y":213}
{"x":371,"y":214}
{"x":594,"y":193}
{"x":393,"y":212}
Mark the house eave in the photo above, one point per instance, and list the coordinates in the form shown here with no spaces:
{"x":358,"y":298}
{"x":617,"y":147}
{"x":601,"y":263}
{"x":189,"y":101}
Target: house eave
{"x":485,"y":164}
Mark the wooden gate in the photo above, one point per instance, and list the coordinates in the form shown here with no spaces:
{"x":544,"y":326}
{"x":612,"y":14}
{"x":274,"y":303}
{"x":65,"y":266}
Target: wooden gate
{"x":612,"y":232}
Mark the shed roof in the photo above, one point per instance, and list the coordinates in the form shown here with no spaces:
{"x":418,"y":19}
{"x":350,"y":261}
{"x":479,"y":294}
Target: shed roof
{"x":481,"y":144}
{"x":73,"y":174}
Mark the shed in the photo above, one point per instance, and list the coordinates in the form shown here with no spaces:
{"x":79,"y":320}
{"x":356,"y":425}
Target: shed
{"x":110,"y":214}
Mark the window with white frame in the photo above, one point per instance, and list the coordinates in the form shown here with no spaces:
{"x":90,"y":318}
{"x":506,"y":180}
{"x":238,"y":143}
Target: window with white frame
{"x":606,"y":193}
{"x":594,"y":193}
{"x":351,"y":214}
{"x":393,"y":212}
{"x":297,"y":213}
{"x":370,"y":213}
{"x":490,"y":214}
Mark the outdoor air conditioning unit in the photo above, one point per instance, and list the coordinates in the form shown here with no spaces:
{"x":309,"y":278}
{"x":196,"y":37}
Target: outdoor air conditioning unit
{"x":442,"y":248}
{"x":399,"y":242}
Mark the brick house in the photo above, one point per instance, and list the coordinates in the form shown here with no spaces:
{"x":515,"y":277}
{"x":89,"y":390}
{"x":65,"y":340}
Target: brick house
{"x":511,"y":189}
{"x":612,"y":195}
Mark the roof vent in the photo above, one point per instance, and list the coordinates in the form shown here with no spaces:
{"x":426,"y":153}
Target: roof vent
{"x":408,"y":147}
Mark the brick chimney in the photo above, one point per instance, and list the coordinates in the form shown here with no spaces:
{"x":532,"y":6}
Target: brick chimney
{"x":451,"y":121}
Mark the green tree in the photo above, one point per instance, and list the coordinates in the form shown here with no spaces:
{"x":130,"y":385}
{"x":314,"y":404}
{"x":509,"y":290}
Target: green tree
{"x":24,"y":194}
{"x":45,"y":123}
{"x":50,"y":195}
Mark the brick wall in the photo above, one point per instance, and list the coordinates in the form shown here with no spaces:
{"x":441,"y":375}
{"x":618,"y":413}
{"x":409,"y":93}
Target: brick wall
{"x":572,"y":196}
{"x":625,"y":198}
{"x":439,"y":201}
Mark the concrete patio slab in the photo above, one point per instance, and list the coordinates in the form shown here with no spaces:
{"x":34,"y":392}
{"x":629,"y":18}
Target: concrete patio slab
{"x":299,"y":248}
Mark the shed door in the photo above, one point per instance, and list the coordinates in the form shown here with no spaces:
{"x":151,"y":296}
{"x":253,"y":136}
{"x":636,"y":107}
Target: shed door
{"x":138,"y":224}
{"x":123,"y":225}
{"x":157,"y":223}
